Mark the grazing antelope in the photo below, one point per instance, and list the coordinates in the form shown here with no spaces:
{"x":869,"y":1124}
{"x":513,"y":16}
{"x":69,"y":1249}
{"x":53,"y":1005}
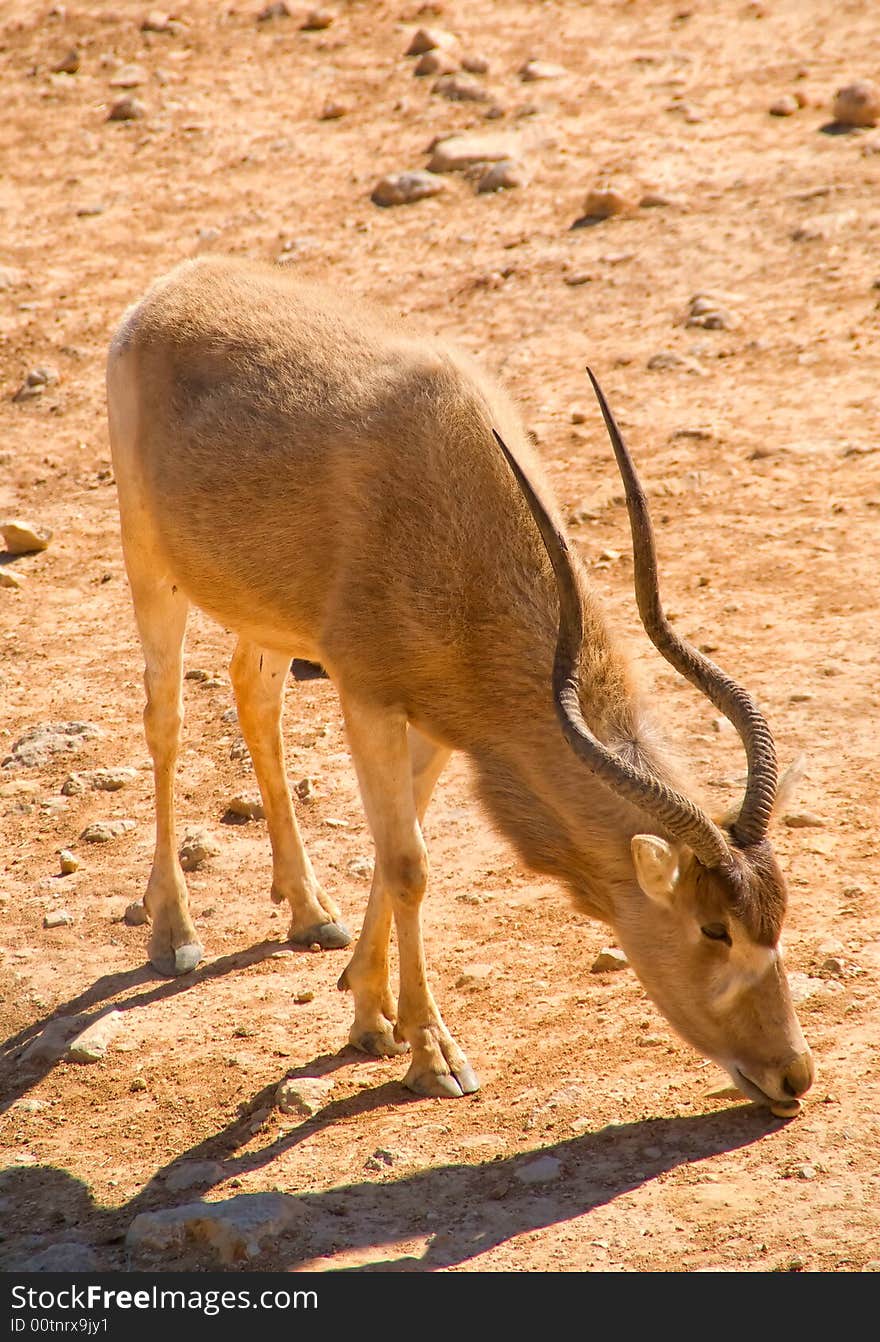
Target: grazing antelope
{"x":326,"y":483}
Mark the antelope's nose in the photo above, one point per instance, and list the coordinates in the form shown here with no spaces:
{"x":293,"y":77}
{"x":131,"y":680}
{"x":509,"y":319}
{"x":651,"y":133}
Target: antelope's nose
{"x":798,"y":1075}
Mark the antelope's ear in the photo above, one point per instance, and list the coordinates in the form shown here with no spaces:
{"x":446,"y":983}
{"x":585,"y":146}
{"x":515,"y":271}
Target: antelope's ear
{"x":788,"y":785}
{"x":656,"y":864}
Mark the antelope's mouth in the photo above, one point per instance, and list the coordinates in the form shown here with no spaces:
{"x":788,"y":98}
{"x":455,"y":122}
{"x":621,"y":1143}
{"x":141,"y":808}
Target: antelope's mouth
{"x":782,"y":1108}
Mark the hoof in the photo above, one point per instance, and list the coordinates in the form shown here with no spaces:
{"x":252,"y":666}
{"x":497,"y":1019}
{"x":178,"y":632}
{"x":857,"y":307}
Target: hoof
{"x":171,"y":964}
{"x":377,"y":1043}
{"x":443,"y":1085}
{"x":329,"y":936}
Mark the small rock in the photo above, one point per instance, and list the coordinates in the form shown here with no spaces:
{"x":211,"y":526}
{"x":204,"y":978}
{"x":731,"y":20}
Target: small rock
{"x":61,"y":1258}
{"x":317,"y":20}
{"x":304,"y":1096}
{"x":92,"y":1044}
{"x":278,"y":10}
{"x":136,"y":915}
{"x":68,"y":65}
{"x":540,"y":1171}
{"x":245,"y":808}
{"x":475,"y":65}
{"x":22,"y":538}
{"x":68,"y":861}
{"x":40,"y":743}
{"x":98,"y":780}
{"x":157,"y":21}
{"x":381,"y":1159}
{"x":429,"y":39}
{"x":196,"y":848}
{"x":474,"y":975}
{"x":138,"y":1085}
{"x":58,"y":918}
{"x":35,"y":383}
{"x":235,"y":1231}
{"x":832,"y":967}
{"x":460,"y":89}
{"x":608,"y":960}
{"x":804,"y":820}
{"x":52,"y":1039}
{"x":607,"y":199}
{"x":537,"y":70}
{"x":857,"y":104}
{"x":803,"y":986}
{"x":787,"y":105}
{"x":705,"y":312}
{"x":305,"y":789}
{"x":103,"y":831}
{"x":666,"y":360}
{"x":197,"y":673}
{"x":304,"y":997}
{"x":502,"y":176}
{"x":404,"y":188}
{"x":332,"y":111}
{"x":436,"y":62}
{"x":361,"y":867}
{"x":129,"y":77}
{"x":8,"y":579}
{"x":127,"y":109}
{"x":462,"y":151}
{"x":192,"y":1173}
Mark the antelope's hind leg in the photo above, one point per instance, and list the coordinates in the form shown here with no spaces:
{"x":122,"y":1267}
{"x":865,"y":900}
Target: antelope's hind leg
{"x":395,"y":786}
{"x":161,"y":609}
{"x":258,"y":678}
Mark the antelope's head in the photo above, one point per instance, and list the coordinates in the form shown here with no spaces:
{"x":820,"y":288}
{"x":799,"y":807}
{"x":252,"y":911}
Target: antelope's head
{"x":701,"y":921}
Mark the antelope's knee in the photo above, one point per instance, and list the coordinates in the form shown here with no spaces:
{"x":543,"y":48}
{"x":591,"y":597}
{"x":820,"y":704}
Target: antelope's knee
{"x":406,"y":875}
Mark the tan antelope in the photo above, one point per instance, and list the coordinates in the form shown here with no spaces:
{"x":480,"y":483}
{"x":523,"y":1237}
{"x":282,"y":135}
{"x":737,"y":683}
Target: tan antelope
{"x":336,"y":488}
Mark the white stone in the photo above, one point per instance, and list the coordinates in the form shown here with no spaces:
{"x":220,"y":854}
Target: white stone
{"x":92,"y":1044}
{"x":235,"y":1231}
{"x":608,"y":960}
{"x":303,"y":1095}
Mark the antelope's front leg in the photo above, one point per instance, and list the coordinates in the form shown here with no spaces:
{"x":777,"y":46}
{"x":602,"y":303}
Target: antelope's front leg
{"x":379,"y":747}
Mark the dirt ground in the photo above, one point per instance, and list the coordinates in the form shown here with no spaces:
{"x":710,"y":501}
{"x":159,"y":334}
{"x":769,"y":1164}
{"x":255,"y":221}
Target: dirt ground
{"x":596,"y":1142}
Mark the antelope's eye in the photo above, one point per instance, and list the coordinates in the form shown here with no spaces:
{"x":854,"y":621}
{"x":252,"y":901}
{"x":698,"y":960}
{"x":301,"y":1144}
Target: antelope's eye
{"x":717,"y":932}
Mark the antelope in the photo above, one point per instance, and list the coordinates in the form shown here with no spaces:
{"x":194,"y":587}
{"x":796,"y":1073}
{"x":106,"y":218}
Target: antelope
{"x":339,"y":489}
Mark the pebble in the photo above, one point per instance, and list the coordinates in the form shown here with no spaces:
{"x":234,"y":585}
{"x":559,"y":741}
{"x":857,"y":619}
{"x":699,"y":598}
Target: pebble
{"x":157,"y":21}
{"x":502,"y":176}
{"x":246,"y":808}
{"x":404,"y":188}
{"x":68,"y":65}
{"x":540,"y":1171}
{"x":305,"y":996}
{"x":97,"y":780}
{"x":706,"y":312}
{"x":23,"y":538}
{"x":332,"y":111}
{"x":138,"y":1085}
{"x":461,"y":89}
{"x":533,"y":71}
{"x":803,"y":820}
{"x":305,"y":789}
{"x":474,"y":975}
{"x":37,"y":380}
{"x":104,"y":831}
{"x":462,"y":151}
{"x":608,"y":960}
{"x":381,"y":1159}
{"x":304,"y":1096}
{"x":234,"y":1231}
{"x":53,"y":1038}
{"x":197,"y":673}
{"x":787,"y":105}
{"x":68,"y":862}
{"x":127,"y":109}
{"x":192,"y":1173}
{"x":136,"y":915}
{"x":38,"y":744}
{"x":196,"y":848}
{"x":10,"y":579}
{"x":278,"y":10}
{"x":129,"y":77}
{"x":803,"y":986}
{"x":436,"y":62}
{"x":857,"y":104}
{"x":832,"y":967}
{"x":666,"y":360}
{"x":607,"y":199}
{"x":429,"y":39}
{"x":475,"y":64}
{"x":58,"y":918}
{"x":61,"y":1258}
{"x":92,"y":1044}
{"x":317,"y":20}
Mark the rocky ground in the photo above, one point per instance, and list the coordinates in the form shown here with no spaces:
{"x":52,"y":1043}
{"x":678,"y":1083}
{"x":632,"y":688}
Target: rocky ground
{"x":668,"y":193}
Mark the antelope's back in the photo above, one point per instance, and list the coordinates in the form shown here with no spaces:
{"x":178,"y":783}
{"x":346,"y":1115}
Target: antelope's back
{"x":313,"y":467}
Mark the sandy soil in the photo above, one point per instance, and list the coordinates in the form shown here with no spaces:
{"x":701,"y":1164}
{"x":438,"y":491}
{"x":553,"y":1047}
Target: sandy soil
{"x":757,"y":444}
